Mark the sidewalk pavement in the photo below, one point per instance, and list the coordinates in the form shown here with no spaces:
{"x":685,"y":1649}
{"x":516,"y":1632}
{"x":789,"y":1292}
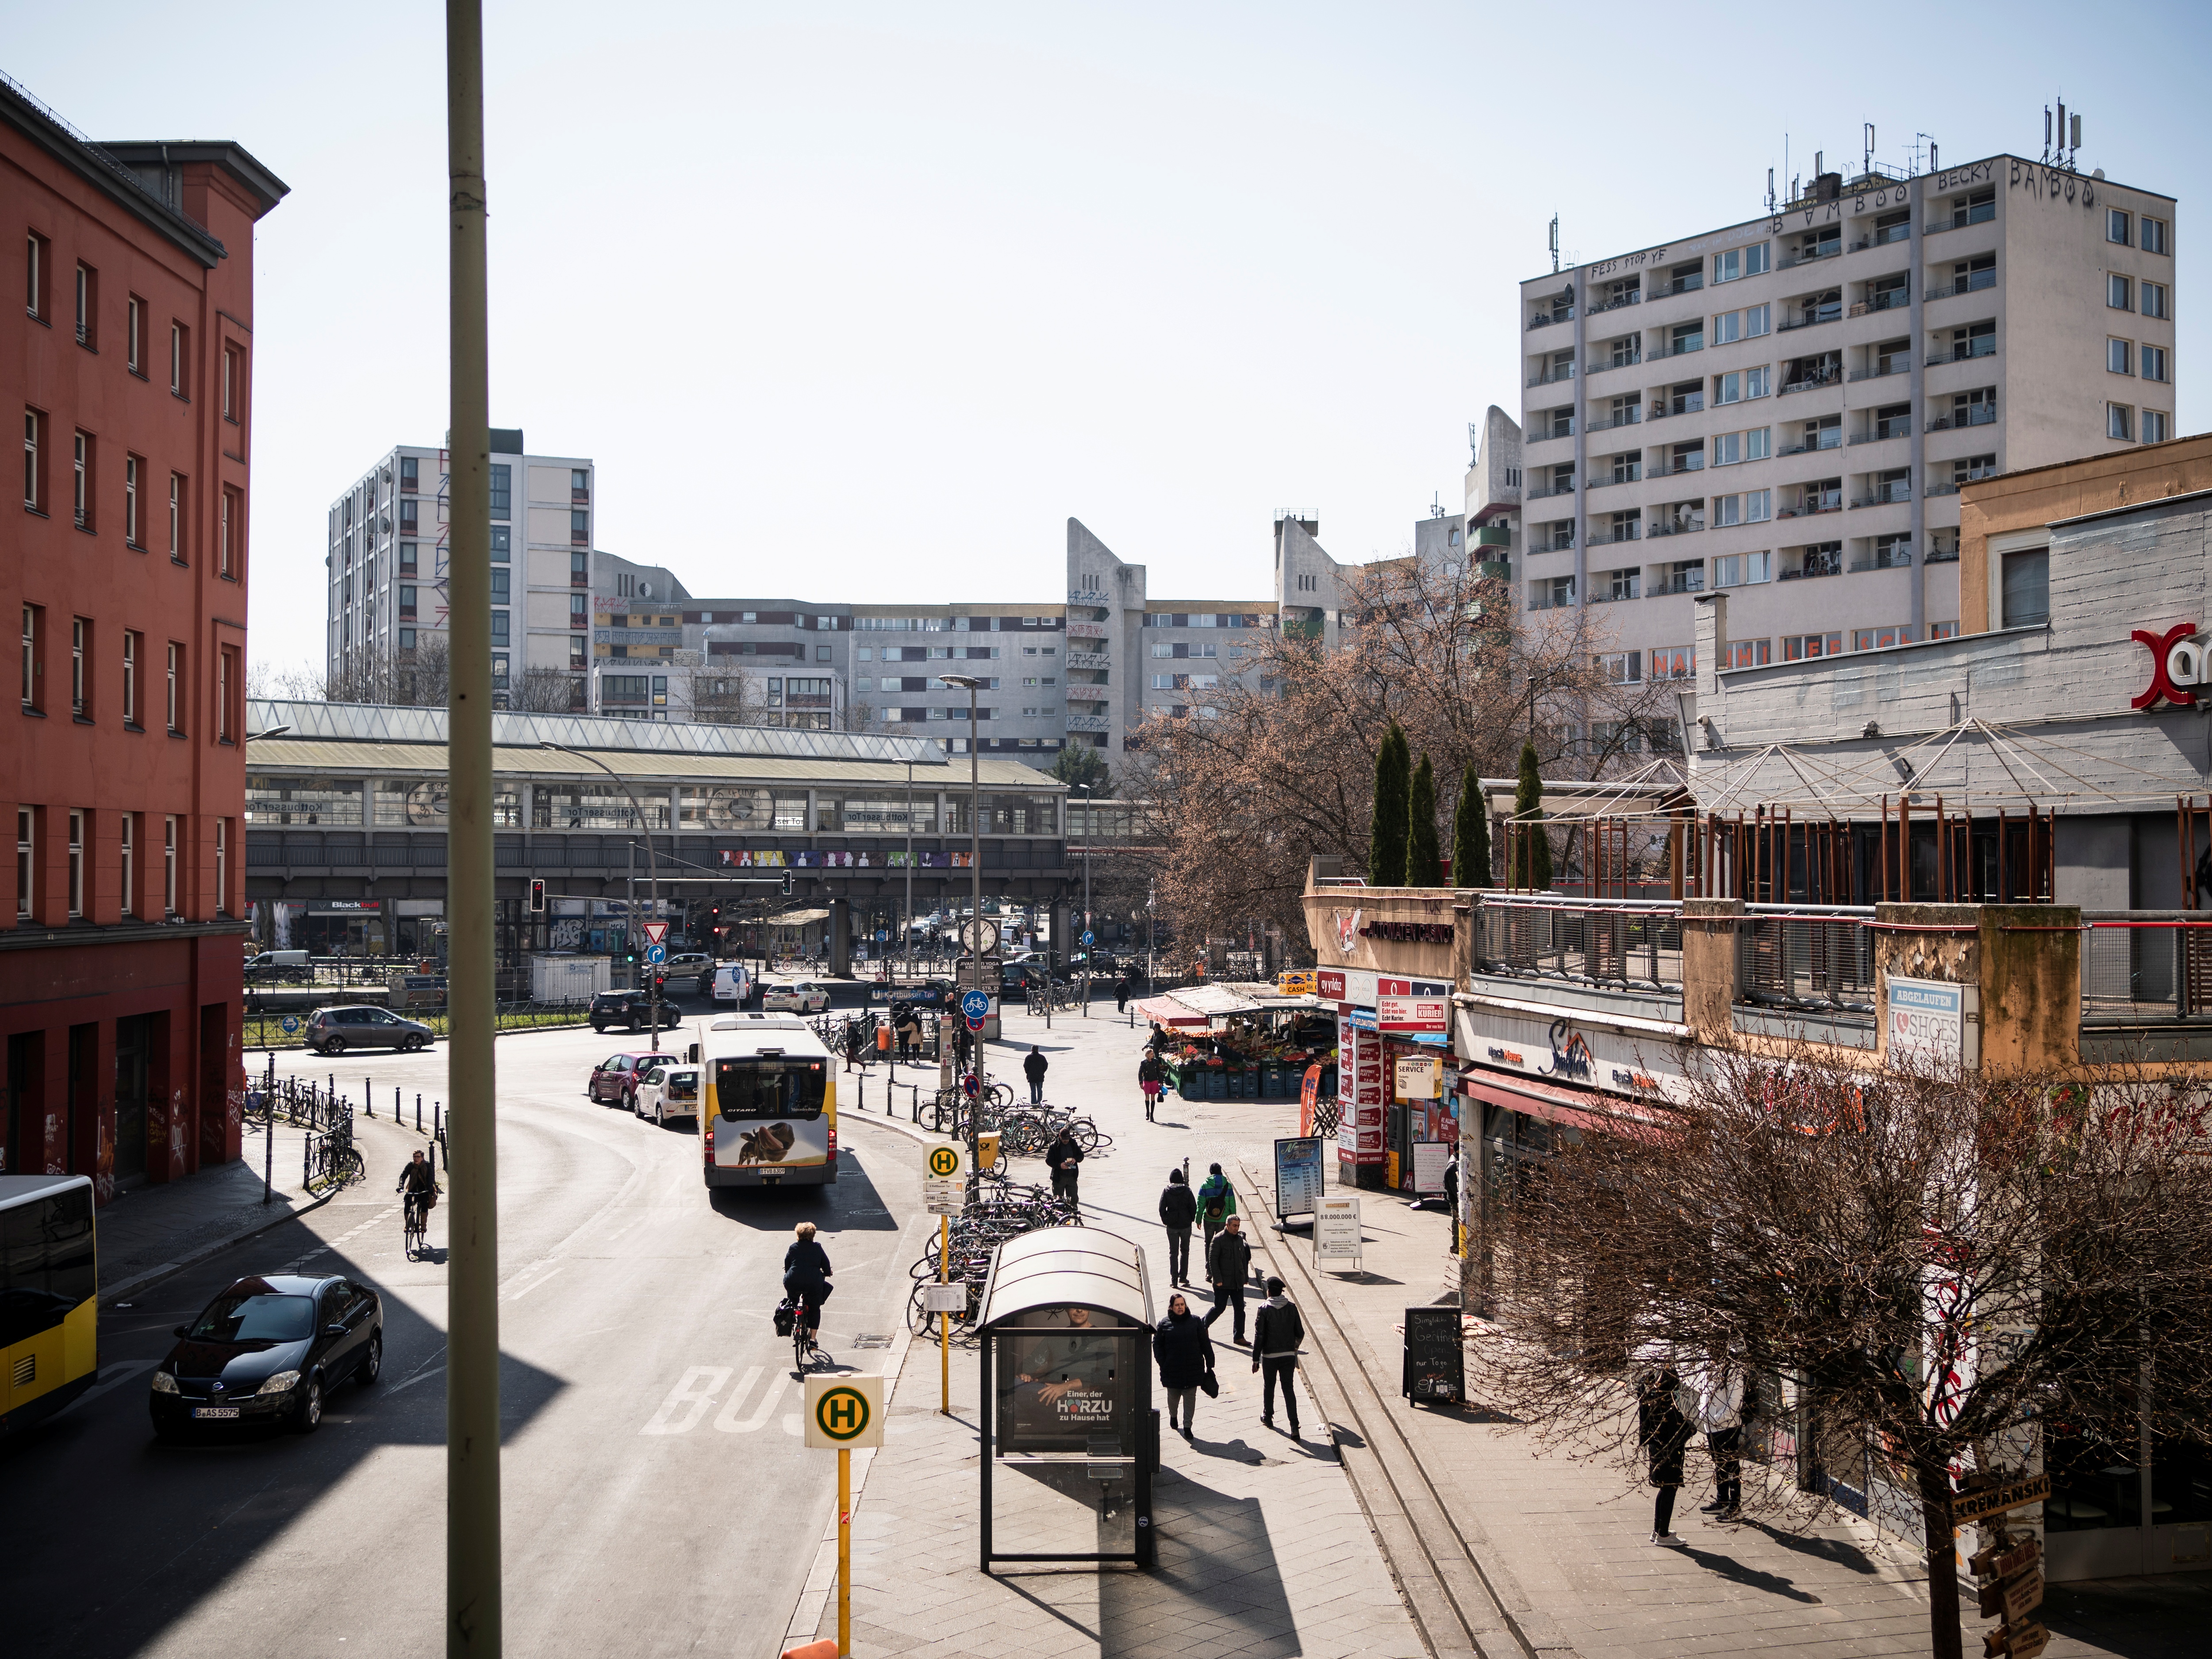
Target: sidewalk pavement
{"x":1493,"y":1548}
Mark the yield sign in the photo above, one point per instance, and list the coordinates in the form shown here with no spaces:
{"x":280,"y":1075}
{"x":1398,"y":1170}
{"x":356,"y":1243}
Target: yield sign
{"x":655,"y":932}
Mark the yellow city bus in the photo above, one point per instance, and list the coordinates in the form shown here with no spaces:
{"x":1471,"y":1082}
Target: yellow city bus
{"x":767,"y":1102}
{"x":49,"y":1296}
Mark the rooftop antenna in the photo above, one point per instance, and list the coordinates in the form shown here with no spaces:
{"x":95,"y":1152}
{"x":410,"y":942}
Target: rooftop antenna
{"x":2059,"y":151}
{"x":1770,"y":190}
{"x":1867,"y":165}
{"x":1916,"y":137}
{"x":2046,"y":135}
{"x":1436,"y":504}
{"x":1555,"y":244}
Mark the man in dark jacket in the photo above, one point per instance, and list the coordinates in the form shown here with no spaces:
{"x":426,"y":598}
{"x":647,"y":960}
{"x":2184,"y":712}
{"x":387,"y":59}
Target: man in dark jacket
{"x":1228,"y":1266}
{"x":1122,"y":994}
{"x":1033,"y":1068}
{"x":1185,"y":1353}
{"x":1277,"y":1330}
{"x":1064,"y":1158}
{"x":1178,"y":1210}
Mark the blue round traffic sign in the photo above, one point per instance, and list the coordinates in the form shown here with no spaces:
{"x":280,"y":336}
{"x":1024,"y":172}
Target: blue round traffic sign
{"x":656,"y":954}
{"x":1091,"y":939}
{"x":291,"y":1024}
{"x":976,"y":1005}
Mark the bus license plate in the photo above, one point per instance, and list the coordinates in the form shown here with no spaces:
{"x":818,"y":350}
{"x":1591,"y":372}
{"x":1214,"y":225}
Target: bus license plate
{"x":215,"y":1411}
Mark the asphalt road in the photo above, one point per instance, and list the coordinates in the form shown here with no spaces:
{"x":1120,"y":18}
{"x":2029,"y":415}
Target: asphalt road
{"x":658,"y":1497}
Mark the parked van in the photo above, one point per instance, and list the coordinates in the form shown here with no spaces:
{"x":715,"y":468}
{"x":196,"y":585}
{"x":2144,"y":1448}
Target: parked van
{"x":733,"y":984}
{"x":276,"y":965}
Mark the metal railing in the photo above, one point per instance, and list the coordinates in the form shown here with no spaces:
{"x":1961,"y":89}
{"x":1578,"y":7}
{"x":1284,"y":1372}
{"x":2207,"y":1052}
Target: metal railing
{"x":1830,"y":438}
{"x":1886,"y":235}
{"x":1806,"y":956}
{"x":2140,"y":966}
{"x":1616,"y":942}
{"x":1900,"y":428}
{"x":1633,"y":417}
{"x":1981,"y":346}
{"x":1834,"y":314}
{"x":1812,"y":382}
{"x":1682,"y":347}
{"x":1812,"y":255}
{"x":1976,"y":281}
{"x":1554,"y":376}
{"x":1549,"y":318}
{"x":1980,"y":214}
{"x":1635,"y":299}
{"x":1975,"y":415}
{"x":1887,"y":300}
{"x":1882,"y":370}
{"x":1900,"y":491}
{"x":1689,"y":284}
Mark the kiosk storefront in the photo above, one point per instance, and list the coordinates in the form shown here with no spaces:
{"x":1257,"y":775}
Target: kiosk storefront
{"x":1069,"y":1434}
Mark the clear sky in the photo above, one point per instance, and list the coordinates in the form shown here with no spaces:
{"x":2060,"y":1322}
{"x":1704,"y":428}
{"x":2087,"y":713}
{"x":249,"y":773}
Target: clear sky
{"x":864,"y":300}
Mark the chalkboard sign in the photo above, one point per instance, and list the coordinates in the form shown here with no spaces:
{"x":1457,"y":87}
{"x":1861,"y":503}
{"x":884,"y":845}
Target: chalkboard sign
{"x":1435,"y":1363}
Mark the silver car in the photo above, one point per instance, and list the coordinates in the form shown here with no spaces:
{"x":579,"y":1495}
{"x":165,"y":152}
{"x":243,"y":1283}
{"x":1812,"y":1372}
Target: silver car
{"x":334,"y":1030}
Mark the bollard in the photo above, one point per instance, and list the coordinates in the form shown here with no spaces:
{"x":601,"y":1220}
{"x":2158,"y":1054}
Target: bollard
{"x":367,"y":1096}
{"x":396,"y":1117}
{"x":306,"y":1157}
{"x":436,"y":1132}
{"x":418,"y":1114}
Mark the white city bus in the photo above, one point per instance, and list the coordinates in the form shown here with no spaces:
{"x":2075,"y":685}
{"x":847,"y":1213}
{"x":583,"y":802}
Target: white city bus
{"x":767,"y":1102}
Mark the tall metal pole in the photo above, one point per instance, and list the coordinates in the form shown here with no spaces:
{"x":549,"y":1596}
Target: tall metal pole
{"x":473,"y":1624}
{"x":1089,"y":950}
{"x":976,"y":916}
{"x":652,"y":878}
{"x":906,"y":921}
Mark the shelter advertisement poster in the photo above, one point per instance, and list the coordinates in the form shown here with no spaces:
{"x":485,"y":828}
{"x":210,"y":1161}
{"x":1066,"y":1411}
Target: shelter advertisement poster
{"x":1363,"y":1082}
{"x":1065,"y":1382}
{"x":1298,"y":1176}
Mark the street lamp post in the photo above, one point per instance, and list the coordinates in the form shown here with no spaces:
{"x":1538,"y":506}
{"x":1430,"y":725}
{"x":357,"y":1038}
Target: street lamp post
{"x":976,"y":923}
{"x":651,"y":876}
{"x":1089,"y":827}
{"x":906,"y":921}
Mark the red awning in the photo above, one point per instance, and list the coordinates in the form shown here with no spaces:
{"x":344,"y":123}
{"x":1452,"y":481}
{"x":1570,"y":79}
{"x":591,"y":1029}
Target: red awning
{"x":1578,"y":1108}
{"x":1166,"y":1011}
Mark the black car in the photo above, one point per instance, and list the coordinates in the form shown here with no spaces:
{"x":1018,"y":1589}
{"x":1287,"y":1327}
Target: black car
{"x":630,"y":1008}
{"x":268,"y":1350}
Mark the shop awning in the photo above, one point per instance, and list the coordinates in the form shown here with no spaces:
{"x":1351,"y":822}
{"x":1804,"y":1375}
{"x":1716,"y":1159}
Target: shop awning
{"x":1578,"y":1108}
{"x":1268,"y":1000}
{"x":1166,"y":1011}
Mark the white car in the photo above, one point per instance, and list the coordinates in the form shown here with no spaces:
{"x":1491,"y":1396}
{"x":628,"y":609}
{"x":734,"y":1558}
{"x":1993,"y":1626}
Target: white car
{"x":667,"y":1091}
{"x":732,"y":983}
{"x":801,"y":997}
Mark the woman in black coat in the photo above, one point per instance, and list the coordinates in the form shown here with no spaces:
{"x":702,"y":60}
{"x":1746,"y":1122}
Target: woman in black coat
{"x":1664,"y":1431}
{"x":1185,"y":1353}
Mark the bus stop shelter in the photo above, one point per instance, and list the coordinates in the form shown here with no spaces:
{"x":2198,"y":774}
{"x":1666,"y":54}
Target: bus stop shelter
{"x":1070,"y":1438}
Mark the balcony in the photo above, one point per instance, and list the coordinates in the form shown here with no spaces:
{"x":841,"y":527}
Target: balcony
{"x":1812,"y":255}
{"x":1882,"y":370}
{"x":1494,"y":570}
{"x":1680,"y":348}
{"x":1547,"y":318}
{"x":1975,"y":283}
{"x":1689,"y":284}
{"x":1491,"y":535}
{"x":1674,"y":527}
{"x":1942,"y":554}
{"x":1813,"y":503}
{"x":1630,"y":418}
{"x":1980,"y":214}
{"x":1812,"y":319}
{"x":1628,"y":362}
{"x":1627,"y":532}
{"x":1090,"y":660}
{"x":1086,"y":631}
{"x":1887,"y":558}
{"x":579,"y":497}
{"x":1896,"y":299}
{"x":1543,"y":494}
{"x":1898,"y":489}
{"x":1555,"y":376}
{"x":1684,"y":581}
{"x":1900,"y":428}
{"x":1635,"y":299}
{"x":1086,"y":723}
{"x":1984,"y":346}
{"x":1942,"y":490}
{"x":1975,"y":415}
{"x":1630,"y":474}
{"x":1689,"y":405}
{"x":1830,"y":438}
{"x":1812,"y":382}
{"x":1816,"y":564}
{"x":1881,"y":238}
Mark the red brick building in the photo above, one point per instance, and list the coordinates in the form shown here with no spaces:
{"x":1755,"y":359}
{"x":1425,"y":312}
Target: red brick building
{"x":124,"y":771}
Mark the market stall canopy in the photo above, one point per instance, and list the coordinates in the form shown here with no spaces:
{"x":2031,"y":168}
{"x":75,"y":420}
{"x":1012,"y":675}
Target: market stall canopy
{"x":1270,"y":999}
{"x":1064,"y":1267}
{"x":1214,"y":1001}
{"x":1166,"y":1011}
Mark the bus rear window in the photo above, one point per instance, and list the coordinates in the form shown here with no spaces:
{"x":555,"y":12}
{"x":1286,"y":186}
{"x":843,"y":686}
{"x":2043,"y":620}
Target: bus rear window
{"x":769,"y":1088}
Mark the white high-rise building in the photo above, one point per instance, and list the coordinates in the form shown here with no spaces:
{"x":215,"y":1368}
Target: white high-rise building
{"x":1786,"y":408}
{"x":387,"y":564}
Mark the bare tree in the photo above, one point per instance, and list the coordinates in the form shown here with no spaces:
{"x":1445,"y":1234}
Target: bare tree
{"x":541,"y":690}
{"x":719,"y":697}
{"x":1960,"y":1275}
{"x":420,"y":678}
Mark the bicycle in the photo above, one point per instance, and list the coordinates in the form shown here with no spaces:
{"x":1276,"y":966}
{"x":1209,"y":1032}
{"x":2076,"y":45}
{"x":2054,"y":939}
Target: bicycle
{"x":415,"y":1224}
{"x":805,"y":1323}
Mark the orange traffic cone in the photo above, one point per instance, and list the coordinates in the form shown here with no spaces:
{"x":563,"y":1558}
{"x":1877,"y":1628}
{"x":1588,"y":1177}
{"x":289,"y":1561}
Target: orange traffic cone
{"x":825,"y":1650}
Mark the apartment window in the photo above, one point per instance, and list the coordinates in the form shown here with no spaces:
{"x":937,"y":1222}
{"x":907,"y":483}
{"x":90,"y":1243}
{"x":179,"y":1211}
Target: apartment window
{"x":32,"y":668}
{"x":2117,"y":225}
{"x":579,"y":528}
{"x":2153,"y":239}
{"x":177,"y":517}
{"x":1880,"y":638}
{"x":406,"y":602}
{"x":80,"y":648}
{"x":81,"y":484}
{"x":34,"y":283}
{"x":2025,"y":588}
{"x":501,"y":586}
{"x":1623,"y":584}
{"x":1743,"y":385}
{"x":580,"y":485}
{"x":27,"y":863}
{"x":1732,"y":448}
{"x":408,"y":565}
{"x":234,"y":381}
{"x":410,"y":516}
{"x":134,"y":314}
{"x":2154,"y":298}
{"x":88,"y":306}
{"x":126,"y":845}
{"x":77,"y":863}
{"x":1743,"y":569}
{"x":2154,"y":362}
{"x":131,"y":678}
{"x":410,"y":473}
{"x":580,"y":612}
{"x":2119,"y":421}
{"x":1943,"y":631}
{"x":1621,"y":667}
{"x":1968,"y":468}
{"x":499,"y":628}
{"x":226,"y":682}
{"x":1750,"y":653}
{"x":502,"y":491}
{"x":1752,"y":506}
{"x":2155,"y":428}
{"x":176,"y":675}
{"x":1675,"y":662}
{"x":131,"y":465}
{"x":822,"y":653}
{"x":229,"y":531}
{"x":1799,"y":647}
{"x":2119,"y":358}
{"x":169,"y":866}
{"x":35,"y":461}
{"x":178,"y":332}
{"x":406,"y":639}
{"x":1740,"y":262}
{"x":2118,"y":292}
{"x":223,"y":866}
{"x":502,"y":543}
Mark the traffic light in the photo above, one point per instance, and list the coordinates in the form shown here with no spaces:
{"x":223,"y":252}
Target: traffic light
{"x":537,"y":895}
{"x":786,"y":883}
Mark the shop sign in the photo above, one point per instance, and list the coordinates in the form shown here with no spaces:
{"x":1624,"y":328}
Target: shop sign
{"x":1297,"y":982}
{"x":1359,"y":1090}
{"x":1412,"y":1005}
{"x":1571,"y":1055}
{"x":1927,"y":1022}
{"x":1968,"y":1507}
{"x":2176,"y":665}
{"x":346,"y":907}
{"x":1355,"y":986}
{"x":1419,"y":1077}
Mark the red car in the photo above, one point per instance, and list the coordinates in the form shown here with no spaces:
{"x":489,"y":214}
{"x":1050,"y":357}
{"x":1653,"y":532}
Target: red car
{"x":613,"y":1080}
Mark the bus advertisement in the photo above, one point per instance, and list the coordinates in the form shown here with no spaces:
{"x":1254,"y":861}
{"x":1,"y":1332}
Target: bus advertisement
{"x":768,"y":1104}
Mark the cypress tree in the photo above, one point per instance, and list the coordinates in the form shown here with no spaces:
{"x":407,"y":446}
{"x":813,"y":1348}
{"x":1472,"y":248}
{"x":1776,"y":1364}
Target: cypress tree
{"x":1471,"y":833}
{"x":1386,"y":845}
{"x":1533,"y":864}
{"x":1424,"y":866}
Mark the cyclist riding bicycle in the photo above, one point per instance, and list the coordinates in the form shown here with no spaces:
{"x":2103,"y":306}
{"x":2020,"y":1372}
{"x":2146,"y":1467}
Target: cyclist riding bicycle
{"x":418,"y":1180}
{"x":806,"y":1273}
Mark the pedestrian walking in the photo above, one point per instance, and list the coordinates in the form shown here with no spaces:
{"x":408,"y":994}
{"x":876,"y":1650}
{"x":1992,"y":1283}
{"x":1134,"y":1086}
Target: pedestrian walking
{"x":1122,"y":994}
{"x":909,"y":1031}
{"x":1178,"y":1209}
{"x":1065,"y":1159}
{"x":1277,"y":1331}
{"x":1033,"y":1068}
{"x":852,"y":1040}
{"x":1184,"y":1352}
{"x":1664,"y":1430}
{"x":1228,"y":1269}
{"x":1217,"y":1202}
{"x":1727,"y":1402}
{"x":1151,"y":1077}
{"x":1451,"y":1192}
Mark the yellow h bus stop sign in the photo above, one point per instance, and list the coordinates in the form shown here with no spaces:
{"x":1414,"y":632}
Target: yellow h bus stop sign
{"x":844,"y":1412}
